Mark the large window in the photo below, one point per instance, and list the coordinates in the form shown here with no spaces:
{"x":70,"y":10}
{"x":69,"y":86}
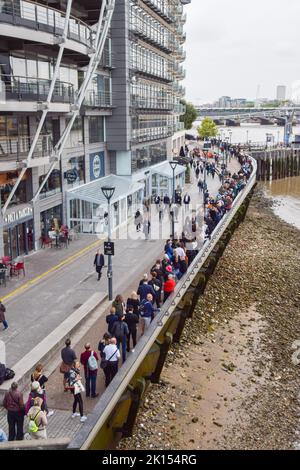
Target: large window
{"x":52,"y":186}
{"x":78,"y":166}
{"x":24,"y":191}
{"x":96,"y":129}
{"x":148,"y":156}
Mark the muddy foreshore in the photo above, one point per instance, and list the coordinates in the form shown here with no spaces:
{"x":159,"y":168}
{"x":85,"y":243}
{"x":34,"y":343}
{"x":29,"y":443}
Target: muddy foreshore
{"x":231,"y":383}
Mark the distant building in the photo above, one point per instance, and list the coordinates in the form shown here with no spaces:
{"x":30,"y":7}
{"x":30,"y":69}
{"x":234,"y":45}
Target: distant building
{"x":281,"y":93}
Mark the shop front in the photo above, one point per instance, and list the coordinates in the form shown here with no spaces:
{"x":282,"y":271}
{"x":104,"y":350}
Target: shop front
{"x":51,"y":219}
{"x":18,"y":231}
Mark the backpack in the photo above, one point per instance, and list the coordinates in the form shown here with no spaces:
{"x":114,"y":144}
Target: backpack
{"x":2,"y":373}
{"x":32,"y":426}
{"x":92,"y":362}
{"x":9,"y":374}
{"x":118,"y":330}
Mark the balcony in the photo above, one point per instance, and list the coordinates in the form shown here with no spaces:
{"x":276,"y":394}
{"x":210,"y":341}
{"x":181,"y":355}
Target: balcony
{"x":34,"y":89}
{"x":179,"y":108}
{"x":151,"y":133}
{"x":98,"y":100}
{"x":160,"y":7}
{"x":107,"y":60}
{"x":178,"y":127}
{"x":152,"y":103}
{"x":14,"y":150}
{"x":147,"y":68}
{"x":43,"y":18}
{"x":148,"y":31}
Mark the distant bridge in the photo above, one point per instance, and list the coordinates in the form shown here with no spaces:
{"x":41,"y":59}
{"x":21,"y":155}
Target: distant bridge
{"x":263,"y":115}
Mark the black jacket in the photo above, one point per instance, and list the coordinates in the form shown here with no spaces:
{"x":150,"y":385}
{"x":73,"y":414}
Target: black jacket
{"x":132,"y":320}
{"x":100,"y":261}
{"x":119,"y":329}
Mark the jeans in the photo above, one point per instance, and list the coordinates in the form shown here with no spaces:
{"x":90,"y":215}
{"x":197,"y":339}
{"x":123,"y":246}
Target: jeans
{"x":90,"y":385}
{"x":78,"y":399}
{"x":15,"y":421}
{"x":5,"y":324}
{"x":124,"y":345}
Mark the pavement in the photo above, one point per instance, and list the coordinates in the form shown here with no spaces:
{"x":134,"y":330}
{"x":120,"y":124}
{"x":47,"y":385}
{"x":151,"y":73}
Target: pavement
{"x":58,"y":281}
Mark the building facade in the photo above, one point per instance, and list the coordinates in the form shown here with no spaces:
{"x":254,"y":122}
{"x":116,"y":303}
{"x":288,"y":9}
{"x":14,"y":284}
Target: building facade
{"x":125,"y":124}
{"x":145,"y":129}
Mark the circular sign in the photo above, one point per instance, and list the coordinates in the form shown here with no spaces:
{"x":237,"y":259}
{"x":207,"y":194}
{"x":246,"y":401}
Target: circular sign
{"x":71,"y":175}
{"x":97,"y":166}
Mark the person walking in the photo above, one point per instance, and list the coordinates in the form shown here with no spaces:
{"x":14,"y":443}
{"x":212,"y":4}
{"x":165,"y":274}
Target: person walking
{"x":120,"y":331}
{"x":111,"y":318}
{"x":2,"y":316}
{"x":119,"y":305}
{"x":89,"y":359}
{"x":37,"y":427}
{"x":112,"y":355}
{"x":145,"y":289}
{"x":68,"y":356}
{"x":147,"y":312}
{"x":186,"y":201}
{"x":133,"y":301}
{"x":99,"y":263}
{"x":76,"y":387}
{"x":14,"y":404}
{"x":38,"y":376}
{"x":138,"y":220}
{"x":169,"y":286}
{"x":132,"y":320}
{"x":157,"y":286}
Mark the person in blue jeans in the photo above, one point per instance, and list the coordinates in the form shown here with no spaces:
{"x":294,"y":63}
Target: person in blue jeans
{"x":90,"y":370}
{"x":120,"y":331}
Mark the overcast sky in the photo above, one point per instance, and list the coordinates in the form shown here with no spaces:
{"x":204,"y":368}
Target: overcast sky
{"x":235,"y":45}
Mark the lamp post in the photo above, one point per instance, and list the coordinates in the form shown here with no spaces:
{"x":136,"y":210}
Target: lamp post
{"x":173,"y":165}
{"x":227,"y":139}
{"x":108,"y":192}
{"x":247,"y":136}
{"x":205,"y":151}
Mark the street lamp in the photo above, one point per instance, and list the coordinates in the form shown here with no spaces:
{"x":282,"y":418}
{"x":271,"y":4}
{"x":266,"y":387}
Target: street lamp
{"x":230,"y":135}
{"x":173,"y":165}
{"x":108,"y":193}
{"x":247,"y":136}
{"x":205,"y":151}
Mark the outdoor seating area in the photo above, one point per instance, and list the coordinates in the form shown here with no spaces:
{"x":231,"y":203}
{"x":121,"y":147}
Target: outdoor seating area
{"x":10,"y":268}
{"x":59,"y":238}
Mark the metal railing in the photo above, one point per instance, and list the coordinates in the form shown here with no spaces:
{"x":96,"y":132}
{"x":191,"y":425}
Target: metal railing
{"x":34,"y":89}
{"x":98,"y":100}
{"x":112,"y":396}
{"x":152,"y":103}
{"x":18,"y":147}
{"x":44,"y":18}
{"x":162,"y":9}
{"x":152,"y":31}
{"x":151,"y":133}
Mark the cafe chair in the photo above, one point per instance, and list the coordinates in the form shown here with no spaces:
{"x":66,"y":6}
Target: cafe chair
{"x":16,"y":268}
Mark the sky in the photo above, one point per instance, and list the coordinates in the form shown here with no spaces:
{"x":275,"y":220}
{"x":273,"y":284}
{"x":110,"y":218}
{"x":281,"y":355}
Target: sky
{"x":234,"y":46}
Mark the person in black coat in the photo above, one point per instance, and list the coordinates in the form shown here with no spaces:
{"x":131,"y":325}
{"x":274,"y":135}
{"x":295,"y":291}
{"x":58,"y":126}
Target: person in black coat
{"x":99,"y":263}
{"x":132,"y":320}
{"x":111,"y":319}
{"x":134,"y":303}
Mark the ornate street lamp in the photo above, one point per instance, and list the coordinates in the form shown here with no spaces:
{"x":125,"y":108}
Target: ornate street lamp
{"x":173,"y":165}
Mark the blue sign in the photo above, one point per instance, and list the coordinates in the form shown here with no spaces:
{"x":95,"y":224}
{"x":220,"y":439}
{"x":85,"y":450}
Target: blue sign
{"x":97,"y":169}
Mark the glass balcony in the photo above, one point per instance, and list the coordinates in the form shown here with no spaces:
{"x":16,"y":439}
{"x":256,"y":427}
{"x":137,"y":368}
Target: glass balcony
{"x":150,"y":30}
{"x":98,"y":99}
{"x":162,"y":8}
{"x":43,"y":18}
{"x":17,"y":148}
{"x":151,"y":133}
{"x":34,"y":89}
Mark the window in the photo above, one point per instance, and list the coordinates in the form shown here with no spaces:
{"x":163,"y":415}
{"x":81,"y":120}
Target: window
{"x":52,"y":186}
{"x":96,"y":129}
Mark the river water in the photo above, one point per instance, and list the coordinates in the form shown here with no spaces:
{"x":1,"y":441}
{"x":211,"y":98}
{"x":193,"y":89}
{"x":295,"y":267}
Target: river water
{"x":285,"y":192}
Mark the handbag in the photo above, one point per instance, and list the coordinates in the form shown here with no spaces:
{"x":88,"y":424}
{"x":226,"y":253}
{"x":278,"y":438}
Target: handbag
{"x":64,"y":368}
{"x":104,"y":362}
{"x":78,"y":387}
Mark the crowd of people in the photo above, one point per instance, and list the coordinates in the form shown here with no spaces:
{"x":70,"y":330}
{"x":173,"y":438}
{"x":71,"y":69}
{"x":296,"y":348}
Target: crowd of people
{"x":126,"y":319}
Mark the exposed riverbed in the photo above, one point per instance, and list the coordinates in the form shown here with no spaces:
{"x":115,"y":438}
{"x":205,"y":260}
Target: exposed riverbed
{"x":286,"y":195}
{"x":231,"y":383}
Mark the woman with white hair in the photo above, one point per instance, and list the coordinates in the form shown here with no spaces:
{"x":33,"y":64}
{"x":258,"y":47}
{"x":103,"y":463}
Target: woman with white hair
{"x":133,"y":301}
{"x":36,"y":392}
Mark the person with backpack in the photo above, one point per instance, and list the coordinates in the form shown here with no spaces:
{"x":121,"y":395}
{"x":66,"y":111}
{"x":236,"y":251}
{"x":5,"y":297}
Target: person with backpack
{"x":120,"y":331}
{"x":37,"y":420}
{"x":14,"y":404}
{"x":89,"y":359}
{"x":68,"y":356}
{"x":157,"y":286}
{"x":147,"y":312}
{"x":2,"y":316}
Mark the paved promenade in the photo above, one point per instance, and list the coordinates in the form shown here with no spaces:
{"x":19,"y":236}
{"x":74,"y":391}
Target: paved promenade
{"x":33,"y":312}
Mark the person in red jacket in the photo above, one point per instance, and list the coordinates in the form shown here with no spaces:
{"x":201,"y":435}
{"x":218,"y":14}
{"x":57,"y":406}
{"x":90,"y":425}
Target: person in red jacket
{"x":169,"y":286}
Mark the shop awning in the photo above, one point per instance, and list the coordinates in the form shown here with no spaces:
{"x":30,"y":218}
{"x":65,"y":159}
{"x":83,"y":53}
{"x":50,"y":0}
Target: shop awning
{"x":91,"y":192}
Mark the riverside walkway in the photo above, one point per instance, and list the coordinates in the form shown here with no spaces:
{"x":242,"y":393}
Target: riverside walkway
{"x":53,"y":298}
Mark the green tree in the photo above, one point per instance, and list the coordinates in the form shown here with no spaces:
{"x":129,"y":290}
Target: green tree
{"x":190,"y":115}
{"x":207,"y":129}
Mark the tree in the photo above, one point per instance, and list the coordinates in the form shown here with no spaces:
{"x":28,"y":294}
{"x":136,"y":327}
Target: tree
{"x":207,"y":129}
{"x":190,"y":115}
